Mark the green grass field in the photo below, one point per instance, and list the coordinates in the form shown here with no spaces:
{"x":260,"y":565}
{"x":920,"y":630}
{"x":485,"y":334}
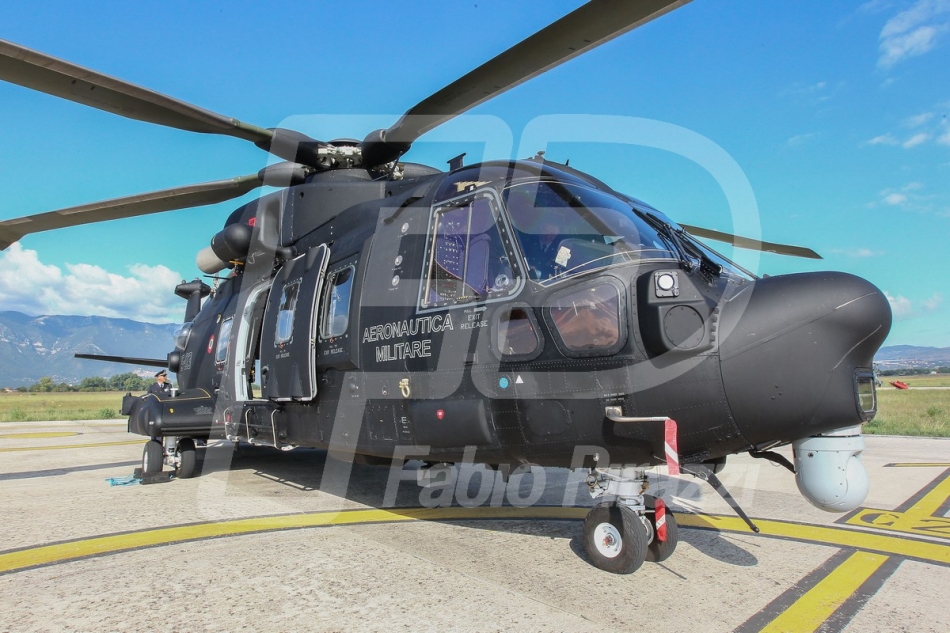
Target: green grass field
{"x":924,"y":412}
{"x":939,"y":380}
{"x":39,"y":407}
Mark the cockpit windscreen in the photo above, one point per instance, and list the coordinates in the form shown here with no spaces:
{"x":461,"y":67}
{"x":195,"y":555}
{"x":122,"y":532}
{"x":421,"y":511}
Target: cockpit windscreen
{"x":567,"y":229}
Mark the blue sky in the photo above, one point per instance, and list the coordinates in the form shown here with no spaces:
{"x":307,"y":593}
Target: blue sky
{"x":835,"y":113}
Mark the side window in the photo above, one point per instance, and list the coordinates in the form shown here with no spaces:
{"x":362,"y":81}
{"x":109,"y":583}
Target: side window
{"x":224,"y":340}
{"x":336,"y":303}
{"x":469,"y":255}
{"x":516,"y":334}
{"x":285,"y":317}
{"x":589,"y":320}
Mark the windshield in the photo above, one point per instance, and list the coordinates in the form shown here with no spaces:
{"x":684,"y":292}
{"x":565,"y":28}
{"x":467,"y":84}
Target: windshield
{"x":567,"y":229}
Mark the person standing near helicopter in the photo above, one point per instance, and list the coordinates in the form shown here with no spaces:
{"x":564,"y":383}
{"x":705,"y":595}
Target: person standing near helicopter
{"x":160,"y":387}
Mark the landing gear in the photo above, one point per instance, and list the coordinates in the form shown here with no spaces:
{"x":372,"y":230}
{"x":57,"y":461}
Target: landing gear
{"x":178,"y":452}
{"x":660,"y":519}
{"x":621,"y":535}
{"x":615,"y":538}
{"x":152,"y":456}
{"x":186,"y":457}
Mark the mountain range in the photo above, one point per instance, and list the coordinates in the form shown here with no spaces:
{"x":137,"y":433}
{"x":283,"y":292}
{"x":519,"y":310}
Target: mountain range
{"x":912,"y":356}
{"x":35,"y":346}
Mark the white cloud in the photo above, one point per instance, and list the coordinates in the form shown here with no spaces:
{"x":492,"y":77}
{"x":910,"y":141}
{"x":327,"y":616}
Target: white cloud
{"x":895,"y":199}
{"x":913,"y":32}
{"x":800,"y":139}
{"x":915,"y":140}
{"x":906,"y":196}
{"x":933,"y":302}
{"x":875,"y":6}
{"x":883,"y":139}
{"x":798,"y":89}
{"x":944,"y":138}
{"x":30,"y":286}
{"x":857,"y":253}
{"x":900,"y":305}
{"x":917,"y":120}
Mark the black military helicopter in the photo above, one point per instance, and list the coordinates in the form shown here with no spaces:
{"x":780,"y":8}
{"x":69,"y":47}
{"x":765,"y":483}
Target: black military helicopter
{"x":509,"y":312}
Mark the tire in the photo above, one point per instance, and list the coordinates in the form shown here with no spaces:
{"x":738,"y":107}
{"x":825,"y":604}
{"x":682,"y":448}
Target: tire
{"x":658,"y":551}
{"x":152,"y":458}
{"x":615,"y":538}
{"x":187,"y":458}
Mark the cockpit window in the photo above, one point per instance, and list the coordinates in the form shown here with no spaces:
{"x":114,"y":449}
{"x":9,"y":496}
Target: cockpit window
{"x":467,"y":256}
{"x":567,"y":229}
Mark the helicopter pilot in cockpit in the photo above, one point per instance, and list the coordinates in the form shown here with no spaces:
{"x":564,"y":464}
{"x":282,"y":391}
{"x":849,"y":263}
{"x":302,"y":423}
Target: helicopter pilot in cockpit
{"x":541,"y":248}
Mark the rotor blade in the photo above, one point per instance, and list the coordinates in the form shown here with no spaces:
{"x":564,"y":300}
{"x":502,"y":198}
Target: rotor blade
{"x":587,"y":27}
{"x":130,"y":206}
{"x":32,"y":69}
{"x":751,"y":244}
{"x":148,"y":362}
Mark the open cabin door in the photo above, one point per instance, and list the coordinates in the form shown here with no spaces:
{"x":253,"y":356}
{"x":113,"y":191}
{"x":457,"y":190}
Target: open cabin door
{"x":289,"y":337}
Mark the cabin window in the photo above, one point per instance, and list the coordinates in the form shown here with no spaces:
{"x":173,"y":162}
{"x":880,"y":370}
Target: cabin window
{"x":224,"y":340}
{"x":588,"y":320}
{"x":469,"y":254}
{"x":285,"y":314}
{"x":336,"y":311}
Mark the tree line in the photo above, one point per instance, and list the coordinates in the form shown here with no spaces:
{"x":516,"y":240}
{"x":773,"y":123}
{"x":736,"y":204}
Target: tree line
{"x":916,"y":371}
{"x":120,"y":382}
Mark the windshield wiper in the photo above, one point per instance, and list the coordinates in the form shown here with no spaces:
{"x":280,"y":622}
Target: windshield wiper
{"x":688,"y":252}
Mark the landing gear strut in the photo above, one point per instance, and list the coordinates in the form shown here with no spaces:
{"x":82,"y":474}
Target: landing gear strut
{"x":619,"y":536}
{"x":177,"y":452}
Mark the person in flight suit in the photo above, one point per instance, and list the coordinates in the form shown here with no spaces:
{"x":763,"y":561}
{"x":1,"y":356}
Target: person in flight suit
{"x":160,"y":387}
{"x":541,"y":250}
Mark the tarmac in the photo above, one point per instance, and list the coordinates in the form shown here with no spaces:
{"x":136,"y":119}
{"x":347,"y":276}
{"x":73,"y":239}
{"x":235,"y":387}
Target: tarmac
{"x":265,"y":540}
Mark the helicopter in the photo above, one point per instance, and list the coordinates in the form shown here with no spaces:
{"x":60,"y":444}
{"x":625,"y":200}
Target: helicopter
{"x":504,"y":313}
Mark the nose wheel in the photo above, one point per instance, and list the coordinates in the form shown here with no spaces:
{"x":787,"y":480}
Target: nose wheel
{"x":664,"y":528}
{"x":633,"y":527}
{"x":615,"y":538}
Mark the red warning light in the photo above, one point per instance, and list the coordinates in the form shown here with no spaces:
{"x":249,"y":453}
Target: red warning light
{"x":252,"y":221}
{"x":440,"y":414}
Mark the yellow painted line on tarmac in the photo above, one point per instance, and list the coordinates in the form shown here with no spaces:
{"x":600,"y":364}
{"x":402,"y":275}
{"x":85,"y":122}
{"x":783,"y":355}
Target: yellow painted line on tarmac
{"x":61,"y":552}
{"x":64,"y":446}
{"x":33,"y":436}
{"x":932,"y":501}
{"x":818,"y":604}
{"x":923,"y":518}
{"x":904,"y":522}
{"x":918,"y":465}
{"x":825,"y":535}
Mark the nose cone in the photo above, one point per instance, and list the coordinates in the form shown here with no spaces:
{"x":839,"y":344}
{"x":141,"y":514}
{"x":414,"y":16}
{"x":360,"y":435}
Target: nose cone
{"x":789,"y":348}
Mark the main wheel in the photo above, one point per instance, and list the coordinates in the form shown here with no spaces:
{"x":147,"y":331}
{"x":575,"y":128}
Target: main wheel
{"x":615,"y":538}
{"x":152,"y":457}
{"x":658,"y":551}
{"x":187,"y":458}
